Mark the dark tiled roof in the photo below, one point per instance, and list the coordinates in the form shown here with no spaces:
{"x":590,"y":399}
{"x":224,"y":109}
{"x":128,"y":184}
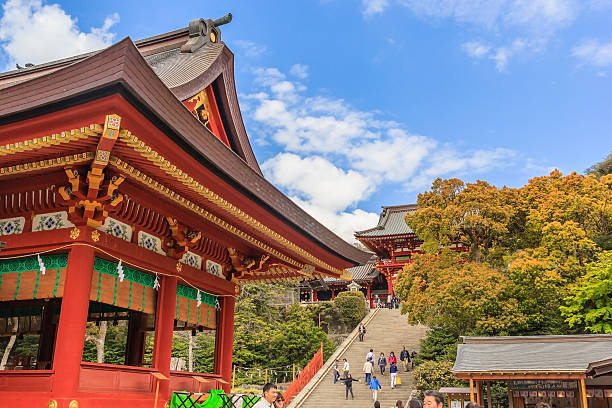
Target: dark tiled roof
{"x":531,"y":353}
{"x":122,"y":66}
{"x":361,"y":273}
{"x":391,"y":222}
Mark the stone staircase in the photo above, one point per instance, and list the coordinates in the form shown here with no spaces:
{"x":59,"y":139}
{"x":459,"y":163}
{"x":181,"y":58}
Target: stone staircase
{"x":387,"y":330}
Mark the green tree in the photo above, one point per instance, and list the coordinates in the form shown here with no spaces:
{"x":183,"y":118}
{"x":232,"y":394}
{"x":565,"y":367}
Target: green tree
{"x":437,"y":345}
{"x":602,"y":168}
{"x":351,"y":306}
{"x":589,"y":303}
{"x":432,"y":375}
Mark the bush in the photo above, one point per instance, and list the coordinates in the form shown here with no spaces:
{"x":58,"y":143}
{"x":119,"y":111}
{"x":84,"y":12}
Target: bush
{"x":432,"y":375}
{"x":352,"y":307}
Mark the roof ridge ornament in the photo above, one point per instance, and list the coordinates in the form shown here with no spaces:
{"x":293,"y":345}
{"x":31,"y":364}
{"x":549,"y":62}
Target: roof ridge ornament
{"x":203,"y":31}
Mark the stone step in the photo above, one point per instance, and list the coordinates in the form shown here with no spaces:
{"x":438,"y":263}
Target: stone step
{"x":387,"y":331}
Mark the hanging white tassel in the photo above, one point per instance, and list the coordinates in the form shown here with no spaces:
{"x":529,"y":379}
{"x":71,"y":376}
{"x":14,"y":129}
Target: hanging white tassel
{"x":156,"y":283}
{"x":120,"y":271}
{"x":217,"y":304}
{"x":41,"y":265}
{"x":199,"y":298}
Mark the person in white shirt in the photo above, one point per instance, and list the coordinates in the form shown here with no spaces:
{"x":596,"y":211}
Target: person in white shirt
{"x":367,"y":369}
{"x":270,"y":393}
{"x":345,"y":369}
{"x":370,"y":356}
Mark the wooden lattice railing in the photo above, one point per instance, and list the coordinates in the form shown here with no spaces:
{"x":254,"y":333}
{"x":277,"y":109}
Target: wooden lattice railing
{"x":305,"y":375}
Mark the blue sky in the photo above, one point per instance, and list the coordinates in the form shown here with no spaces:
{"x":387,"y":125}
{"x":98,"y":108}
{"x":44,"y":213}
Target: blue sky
{"x":351,"y":105}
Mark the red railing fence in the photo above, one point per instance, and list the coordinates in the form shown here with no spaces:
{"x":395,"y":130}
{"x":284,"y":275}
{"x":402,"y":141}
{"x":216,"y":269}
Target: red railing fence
{"x":305,"y":375}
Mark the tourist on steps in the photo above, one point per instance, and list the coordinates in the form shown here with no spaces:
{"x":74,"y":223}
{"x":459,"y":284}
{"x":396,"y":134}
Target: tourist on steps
{"x":367,"y":369}
{"x":392,"y":358}
{"x":393,"y":373}
{"x":370,"y":356}
{"x":345,"y":369}
{"x":382,"y":363}
{"x":375,"y":386}
{"x":270,"y":393}
{"x":348,"y":381}
{"x":376,"y":404}
{"x":336,"y":370}
{"x":399,"y":404}
{"x":362,"y":331}
{"x":405,"y":358}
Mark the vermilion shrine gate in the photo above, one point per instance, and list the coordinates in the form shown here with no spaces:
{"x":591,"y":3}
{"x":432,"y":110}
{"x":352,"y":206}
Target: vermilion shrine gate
{"x":129,"y":191}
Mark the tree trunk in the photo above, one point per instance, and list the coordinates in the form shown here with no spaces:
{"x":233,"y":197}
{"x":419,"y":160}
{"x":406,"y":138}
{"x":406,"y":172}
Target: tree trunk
{"x":190,"y":353}
{"x":100,"y":340}
{"x":11,"y":343}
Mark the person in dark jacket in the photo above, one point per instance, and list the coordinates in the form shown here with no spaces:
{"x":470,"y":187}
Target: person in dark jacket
{"x":348,"y":381}
{"x":382,"y":363}
{"x":405,"y":358}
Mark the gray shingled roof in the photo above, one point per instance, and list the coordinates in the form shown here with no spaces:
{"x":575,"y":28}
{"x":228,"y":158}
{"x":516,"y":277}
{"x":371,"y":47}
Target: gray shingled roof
{"x":175,"y":68}
{"x":361,"y":273}
{"x":391,"y":222}
{"x":532,"y":353}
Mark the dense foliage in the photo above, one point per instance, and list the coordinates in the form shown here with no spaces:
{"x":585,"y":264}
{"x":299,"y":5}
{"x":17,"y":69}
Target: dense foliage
{"x":351,"y":306}
{"x":537,"y":260}
{"x":275,"y":336}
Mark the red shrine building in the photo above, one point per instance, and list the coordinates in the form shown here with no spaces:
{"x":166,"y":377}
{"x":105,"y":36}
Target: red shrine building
{"x":393,"y":242}
{"x":129,"y":193}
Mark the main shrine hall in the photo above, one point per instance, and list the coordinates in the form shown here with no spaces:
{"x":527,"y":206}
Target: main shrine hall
{"x":129,"y":192}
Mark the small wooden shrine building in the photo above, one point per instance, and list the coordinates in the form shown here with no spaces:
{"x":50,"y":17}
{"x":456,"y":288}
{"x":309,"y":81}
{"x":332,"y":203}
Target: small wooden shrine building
{"x":392,"y":240}
{"x":129,"y":191}
{"x":564,"y":371}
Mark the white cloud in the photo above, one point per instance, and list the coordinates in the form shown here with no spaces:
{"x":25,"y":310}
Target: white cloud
{"x":31,"y":32}
{"x":333,"y":156}
{"x":371,"y":7}
{"x":475,"y":49}
{"x":594,"y":53}
{"x":539,"y":15}
{"x":501,"y":55}
{"x":249,"y":48}
{"x":318,"y":181}
{"x":299,"y":70}
{"x":533,"y":22}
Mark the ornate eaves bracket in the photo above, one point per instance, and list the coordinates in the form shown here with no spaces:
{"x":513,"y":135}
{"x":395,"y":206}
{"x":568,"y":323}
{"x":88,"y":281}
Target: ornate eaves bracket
{"x":90,"y":201}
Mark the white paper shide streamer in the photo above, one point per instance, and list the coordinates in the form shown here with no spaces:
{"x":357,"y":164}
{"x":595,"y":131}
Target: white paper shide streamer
{"x":199,"y":298}
{"x":156,"y":283}
{"x":41,"y":265}
{"x":120,"y":271}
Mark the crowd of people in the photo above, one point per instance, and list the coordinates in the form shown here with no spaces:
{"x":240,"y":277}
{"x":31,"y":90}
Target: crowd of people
{"x":344,"y":374}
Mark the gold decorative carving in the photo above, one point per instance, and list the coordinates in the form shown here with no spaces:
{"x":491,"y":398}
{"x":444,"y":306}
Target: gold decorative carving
{"x":74,"y":233}
{"x":95,"y":236}
{"x":179,"y":266}
{"x":52,"y":404}
{"x":73,"y":404}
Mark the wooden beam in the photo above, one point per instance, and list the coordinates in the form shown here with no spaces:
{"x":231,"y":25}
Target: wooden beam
{"x":472,"y":390}
{"x":583,"y":394}
{"x":489,"y":403}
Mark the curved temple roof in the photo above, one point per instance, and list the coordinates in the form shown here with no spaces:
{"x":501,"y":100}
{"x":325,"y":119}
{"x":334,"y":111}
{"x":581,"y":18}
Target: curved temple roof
{"x":391,"y":222}
{"x":155,"y":77}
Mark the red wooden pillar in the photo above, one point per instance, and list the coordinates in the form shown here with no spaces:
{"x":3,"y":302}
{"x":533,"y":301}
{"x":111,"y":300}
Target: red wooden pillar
{"x":73,"y":319}
{"x":389,"y":284}
{"x":370,"y":295}
{"x":333,"y":294}
{"x":164,"y":327}
{"x":314,"y":296}
{"x":224,"y":345}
